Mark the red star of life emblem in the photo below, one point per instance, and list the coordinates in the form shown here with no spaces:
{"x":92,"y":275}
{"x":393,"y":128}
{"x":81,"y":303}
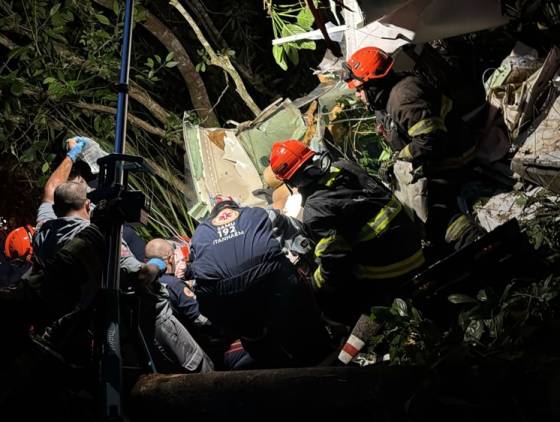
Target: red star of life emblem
{"x":225,"y":217}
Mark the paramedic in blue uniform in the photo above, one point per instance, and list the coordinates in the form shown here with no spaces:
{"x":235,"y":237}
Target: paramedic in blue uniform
{"x":245,"y":283}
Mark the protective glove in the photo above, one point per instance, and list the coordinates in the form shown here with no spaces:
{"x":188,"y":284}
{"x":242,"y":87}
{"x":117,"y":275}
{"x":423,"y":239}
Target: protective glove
{"x":158,"y":263}
{"x":81,"y":142}
{"x":385,"y":171}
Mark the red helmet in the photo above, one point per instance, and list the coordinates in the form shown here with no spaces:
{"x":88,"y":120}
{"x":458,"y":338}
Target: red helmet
{"x":368,"y":63}
{"x":287,"y":157}
{"x":18,"y":242}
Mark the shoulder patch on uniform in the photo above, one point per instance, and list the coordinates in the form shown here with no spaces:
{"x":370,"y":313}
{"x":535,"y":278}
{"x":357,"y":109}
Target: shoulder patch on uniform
{"x":225,"y":216}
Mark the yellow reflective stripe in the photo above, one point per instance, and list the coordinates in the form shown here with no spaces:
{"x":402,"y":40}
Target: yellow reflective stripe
{"x":333,"y":174}
{"x":425,"y":126}
{"x":390,"y":271}
{"x":332,"y":243}
{"x":456,"y":229}
{"x":318,"y":278}
{"x":446,"y":105}
{"x":378,"y":224}
{"x":405,"y":154}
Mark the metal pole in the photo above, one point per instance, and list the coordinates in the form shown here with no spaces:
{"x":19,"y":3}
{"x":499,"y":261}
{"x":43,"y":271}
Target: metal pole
{"x":110,"y":359}
{"x":122,"y":104}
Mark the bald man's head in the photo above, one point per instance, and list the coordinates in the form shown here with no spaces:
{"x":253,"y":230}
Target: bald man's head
{"x":159,"y":248}
{"x":70,"y":198}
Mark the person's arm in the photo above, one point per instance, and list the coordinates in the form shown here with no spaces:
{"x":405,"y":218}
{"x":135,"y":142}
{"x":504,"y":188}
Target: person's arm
{"x":332,"y":250}
{"x":420,"y":114}
{"x":60,"y":175}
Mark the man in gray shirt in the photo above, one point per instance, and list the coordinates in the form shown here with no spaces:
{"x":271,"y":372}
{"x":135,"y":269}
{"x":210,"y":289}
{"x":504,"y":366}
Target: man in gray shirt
{"x":65,"y":211}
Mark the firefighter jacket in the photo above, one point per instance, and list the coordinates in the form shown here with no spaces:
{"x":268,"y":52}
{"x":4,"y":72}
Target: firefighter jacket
{"x":420,"y":123}
{"x":360,"y":229}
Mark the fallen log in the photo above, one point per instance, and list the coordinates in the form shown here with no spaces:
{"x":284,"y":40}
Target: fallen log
{"x":276,"y":393}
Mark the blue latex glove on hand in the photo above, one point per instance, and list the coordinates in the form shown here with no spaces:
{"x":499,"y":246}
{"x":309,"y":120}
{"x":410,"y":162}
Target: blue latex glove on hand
{"x":81,"y":142}
{"x":158,"y":263}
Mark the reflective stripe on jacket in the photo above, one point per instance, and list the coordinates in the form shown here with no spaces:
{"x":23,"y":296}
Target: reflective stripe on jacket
{"x":431,"y":132}
{"x":360,"y":232}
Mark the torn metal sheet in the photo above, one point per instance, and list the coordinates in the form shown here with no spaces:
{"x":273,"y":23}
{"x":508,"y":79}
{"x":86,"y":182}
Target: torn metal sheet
{"x":284,"y":121}
{"x":390,"y":24}
{"x":538,"y":159}
{"x":395,"y":23}
{"x":220,"y":165}
{"x":503,"y":207}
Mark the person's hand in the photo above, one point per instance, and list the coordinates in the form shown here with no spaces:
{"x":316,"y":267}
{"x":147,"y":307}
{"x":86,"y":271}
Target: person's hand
{"x":386,"y":169}
{"x":75,"y":146}
{"x":180,"y":263}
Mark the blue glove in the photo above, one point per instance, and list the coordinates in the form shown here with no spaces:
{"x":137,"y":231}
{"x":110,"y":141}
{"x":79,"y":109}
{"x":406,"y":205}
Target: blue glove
{"x":81,"y":142}
{"x":158,"y":263}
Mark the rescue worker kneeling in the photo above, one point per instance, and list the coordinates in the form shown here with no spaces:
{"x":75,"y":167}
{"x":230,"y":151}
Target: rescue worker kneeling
{"x":246,"y":285}
{"x":365,"y":243}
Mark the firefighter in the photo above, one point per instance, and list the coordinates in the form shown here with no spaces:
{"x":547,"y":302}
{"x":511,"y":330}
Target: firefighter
{"x":422,"y":128}
{"x":366,"y":245}
{"x":18,"y":251}
{"x":246,"y":285}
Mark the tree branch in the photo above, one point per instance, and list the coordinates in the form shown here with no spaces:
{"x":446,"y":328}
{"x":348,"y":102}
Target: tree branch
{"x":135,"y":91}
{"x":203,"y":17}
{"x":195,"y":86}
{"x":6,"y":42}
{"x":218,"y":60}
{"x":136,"y":121}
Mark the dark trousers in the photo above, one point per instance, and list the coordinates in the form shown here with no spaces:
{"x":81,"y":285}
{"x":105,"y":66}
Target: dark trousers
{"x":276,"y":318}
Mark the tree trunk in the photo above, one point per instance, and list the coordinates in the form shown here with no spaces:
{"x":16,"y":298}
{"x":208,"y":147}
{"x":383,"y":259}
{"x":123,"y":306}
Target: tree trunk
{"x":195,"y":85}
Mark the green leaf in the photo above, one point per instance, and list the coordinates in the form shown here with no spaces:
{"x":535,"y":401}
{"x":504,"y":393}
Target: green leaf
{"x":150,"y":62}
{"x":292,"y":29}
{"x":305,"y":18}
{"x":102,"y":19}
{"x":482,"y":296}
{"x":55,"y":35}
{"x":28,"y":155}
{"x":292,"y":54}
{"x":54,"y":9}
{"x":45,"y":168}
{"x":460,"y":298}
{"x":278,"y":53}
{"x":158,"y":59}
{"x":16,"y":88}
{"x":49,"y":80}
{"x":171,"y":64}
{"x":116,"y":8}
{"x":400,"y":307}
{"x":169,"y":57}
{"x":306,"y":45}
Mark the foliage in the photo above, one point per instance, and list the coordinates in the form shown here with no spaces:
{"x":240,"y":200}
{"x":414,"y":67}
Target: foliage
{"x":61,"y":57}
{"x":354,"y":129}
{"x":543,"y":228}
{"x":494,"y":323}
{"x":497,"y":322}
{"x":287,"y":20}
{"x":407,"y":337}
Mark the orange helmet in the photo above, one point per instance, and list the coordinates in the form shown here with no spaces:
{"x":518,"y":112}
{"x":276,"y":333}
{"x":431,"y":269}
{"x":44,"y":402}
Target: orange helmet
{"x":18,"y":243}
{"x":287,"y":157}
{"x":368,"y":63}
